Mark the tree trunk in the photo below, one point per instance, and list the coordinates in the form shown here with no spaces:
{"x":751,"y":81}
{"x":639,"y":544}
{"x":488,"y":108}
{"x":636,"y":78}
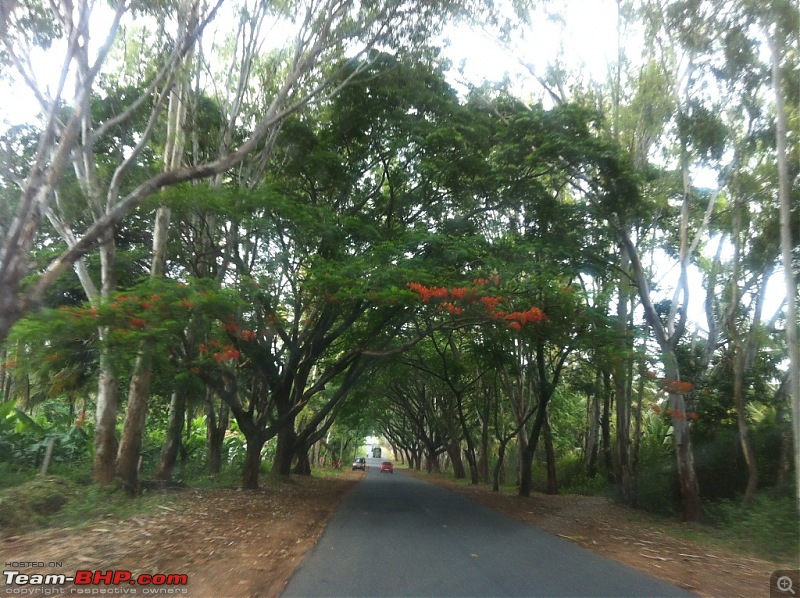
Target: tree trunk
{"x":550,"y":458}
{"x":252,"y":464}
{"x":667,"y":340}
{"x":498,"y":468}
{"x":687,"y":477}
{"x":526,"y":478}
{"x":107,"y":408}
{"x":739,"y":353}
{"x":303,"y":466}
{"x":777,"y":45}
{"x":637,"y":438}
{"x":105,"y":431}
{"x":605,"y":423}
{"x":621,"y":383}
{"x":472,"y":460}
{"x":522,"y":446}
{"x":216,"y":427}
{"x":285,"y":452}
{"x":130,"y":445}
{"x":139,"y":390}
{"x":483,"y":461}
{"x":744,"y":433}
{"x":454,"y":452}
{"x":172,"y":441}
{"x":592,"y":429}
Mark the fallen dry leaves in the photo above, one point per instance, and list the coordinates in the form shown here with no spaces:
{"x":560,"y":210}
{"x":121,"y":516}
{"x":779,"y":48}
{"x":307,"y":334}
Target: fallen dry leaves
{"x":228,"y":542}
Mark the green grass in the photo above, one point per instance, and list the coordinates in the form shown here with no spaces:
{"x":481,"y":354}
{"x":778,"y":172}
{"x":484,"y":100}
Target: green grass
{"x":769,"y":530}
{"x":327,"y":472}
{"x":56,"y":500}
{"x":12,"y":475}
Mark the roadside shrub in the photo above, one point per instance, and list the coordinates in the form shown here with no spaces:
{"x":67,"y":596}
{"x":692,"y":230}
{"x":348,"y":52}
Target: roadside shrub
{"x":657,"y":488}
{"x":718,"y":462}
{"x":573,"y":479}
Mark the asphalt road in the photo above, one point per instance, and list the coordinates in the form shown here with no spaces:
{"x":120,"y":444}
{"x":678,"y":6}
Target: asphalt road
{"x":399,"y":536}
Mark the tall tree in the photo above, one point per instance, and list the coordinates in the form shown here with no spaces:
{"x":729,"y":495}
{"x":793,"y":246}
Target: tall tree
{"x":777,"y":37}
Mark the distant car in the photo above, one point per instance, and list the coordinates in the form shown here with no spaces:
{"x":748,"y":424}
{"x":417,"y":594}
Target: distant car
{"x":360,"y":463}
{"x":387,"y":466}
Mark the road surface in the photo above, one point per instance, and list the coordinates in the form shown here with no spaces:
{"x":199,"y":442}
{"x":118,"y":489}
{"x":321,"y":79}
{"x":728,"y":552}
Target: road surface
{"x":398,"y":536}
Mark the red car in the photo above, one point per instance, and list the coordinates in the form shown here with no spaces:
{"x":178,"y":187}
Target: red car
{"x":387,"y":466}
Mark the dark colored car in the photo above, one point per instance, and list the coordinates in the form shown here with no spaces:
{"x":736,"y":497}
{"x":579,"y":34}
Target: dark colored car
{"x":360,"y":463}
{"x":387,"y":466}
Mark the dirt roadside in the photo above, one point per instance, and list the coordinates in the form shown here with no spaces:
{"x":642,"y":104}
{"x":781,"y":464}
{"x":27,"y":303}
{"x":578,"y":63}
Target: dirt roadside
{"x":234,"y":544}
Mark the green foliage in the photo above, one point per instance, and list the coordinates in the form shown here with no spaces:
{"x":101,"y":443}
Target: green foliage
{"x":657,"y":488}
{"x":24,"y":439}
{"x":770,"y":526}
{"x":573,"y":479}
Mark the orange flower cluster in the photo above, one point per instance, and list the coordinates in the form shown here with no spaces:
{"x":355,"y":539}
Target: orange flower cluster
{"x":678,"y":386}
{"x":677,"y":413}
{"x":230,"y":353}
{"x":242,"y":333}
{"x":81,"y":419}
{"x":144,"y":302}
{"x":427,"y":294}
{"x":451,"y":308}
{"x":516,"y":320}
{"x":219,"y":351}
{"x":532,"y":316}
{"x":459,"y":293}
{"x":490,"y":303}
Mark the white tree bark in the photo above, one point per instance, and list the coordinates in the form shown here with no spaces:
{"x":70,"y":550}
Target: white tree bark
{"x":786,"y":250}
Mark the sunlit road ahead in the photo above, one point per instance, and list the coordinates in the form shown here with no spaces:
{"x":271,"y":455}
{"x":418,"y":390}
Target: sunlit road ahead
{"x":398,"y":536}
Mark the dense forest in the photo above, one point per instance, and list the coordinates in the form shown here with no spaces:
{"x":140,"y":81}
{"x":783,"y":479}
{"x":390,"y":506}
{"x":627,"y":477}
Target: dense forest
{"x":242,"y":237}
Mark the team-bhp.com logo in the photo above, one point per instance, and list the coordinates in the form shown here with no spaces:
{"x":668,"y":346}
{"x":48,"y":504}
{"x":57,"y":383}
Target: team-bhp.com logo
{"x":95,"y":578}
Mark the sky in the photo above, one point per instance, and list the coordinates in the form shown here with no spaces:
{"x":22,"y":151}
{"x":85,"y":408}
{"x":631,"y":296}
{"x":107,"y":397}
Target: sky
{"x":480,"y":56}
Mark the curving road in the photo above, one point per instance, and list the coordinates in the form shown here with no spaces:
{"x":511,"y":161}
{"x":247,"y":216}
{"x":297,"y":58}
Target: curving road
{"x":398,"y":536}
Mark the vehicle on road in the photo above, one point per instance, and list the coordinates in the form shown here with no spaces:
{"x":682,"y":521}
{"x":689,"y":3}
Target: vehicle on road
{"x":360,"y":463}
{"x":387,"y":466}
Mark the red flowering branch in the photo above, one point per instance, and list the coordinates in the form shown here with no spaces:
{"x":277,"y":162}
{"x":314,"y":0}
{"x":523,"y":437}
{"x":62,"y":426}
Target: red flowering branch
{"x":677,"y":386}
{"x":454,"y":301}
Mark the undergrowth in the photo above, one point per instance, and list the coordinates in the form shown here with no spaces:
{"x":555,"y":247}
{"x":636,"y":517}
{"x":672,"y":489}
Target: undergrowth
{"x":56,"y":500}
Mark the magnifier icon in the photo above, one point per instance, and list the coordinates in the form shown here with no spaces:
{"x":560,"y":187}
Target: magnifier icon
{"x":784,"y":584}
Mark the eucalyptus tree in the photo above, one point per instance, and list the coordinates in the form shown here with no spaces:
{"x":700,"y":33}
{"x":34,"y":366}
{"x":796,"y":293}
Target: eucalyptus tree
{"x":784,"y":28}
{"x":705,"y":52}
